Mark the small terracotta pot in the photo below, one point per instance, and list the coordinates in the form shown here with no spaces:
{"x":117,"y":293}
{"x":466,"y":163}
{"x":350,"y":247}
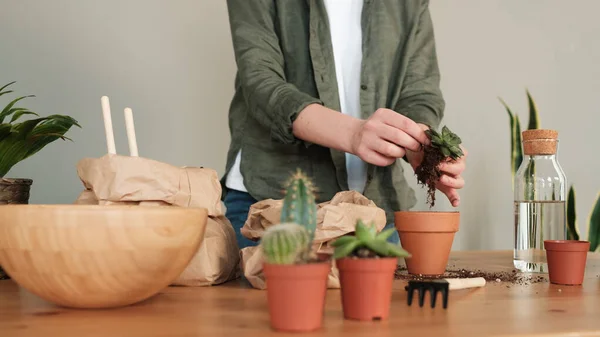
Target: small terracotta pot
{"x":428,"y":237}
{"x":566,"y":261}
{"x":296,"y":295}
{"x":366,"y":287}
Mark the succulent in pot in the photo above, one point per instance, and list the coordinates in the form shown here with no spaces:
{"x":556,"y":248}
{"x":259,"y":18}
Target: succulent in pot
{"x":367,"y":262}
{"x":20,"y":140}
{"x":296,"y":277}
{"x":428,"y":235}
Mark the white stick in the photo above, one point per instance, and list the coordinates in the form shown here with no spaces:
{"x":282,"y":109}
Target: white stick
{"x":133,"y":149}
{"x":108,"y":129}
{"x":464,"y":283}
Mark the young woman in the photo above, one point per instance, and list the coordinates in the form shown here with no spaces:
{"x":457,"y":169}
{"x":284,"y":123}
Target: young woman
{"x":342,"y":89}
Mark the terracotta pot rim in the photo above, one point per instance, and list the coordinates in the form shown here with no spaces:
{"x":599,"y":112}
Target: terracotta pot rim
{"x":427,"y":222}
{"x":567,"y":245}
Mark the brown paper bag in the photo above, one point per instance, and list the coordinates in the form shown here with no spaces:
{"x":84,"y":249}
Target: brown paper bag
{"x":335,"y":218}
{"x":136,"y":179}
{"x":217,"y":259}
{"x":115,"y":180}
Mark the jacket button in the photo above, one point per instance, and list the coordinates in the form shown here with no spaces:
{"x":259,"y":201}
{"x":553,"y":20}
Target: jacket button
{"x":363,"y":87}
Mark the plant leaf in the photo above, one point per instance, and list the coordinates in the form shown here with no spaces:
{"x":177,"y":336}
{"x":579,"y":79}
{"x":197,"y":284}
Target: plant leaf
{"x":378,"y":246}
{"x":594,"y":226}
{"x":7,"y":85}
{"x":385,"y":234}
{"x":5,"y":130}
{"x":445,"y":152}
{"x":343,"y":240}
{"x":533,"y":113}
{"x":7,"y":109}
{"x":572,"y":231}
{"x":5,"y":92}
{"x":362,"y":232}
{"x":345,"y":250}
{"x":518,"y":146}
{"x":20,"y":112}
{"x":396,"y":251}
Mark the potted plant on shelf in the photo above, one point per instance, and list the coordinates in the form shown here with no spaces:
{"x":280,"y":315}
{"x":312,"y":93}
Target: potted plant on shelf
{"x":367,"y":263}
{"x":428,"y":235}
{"x":296,"y":277}
{"x":21,"y":139}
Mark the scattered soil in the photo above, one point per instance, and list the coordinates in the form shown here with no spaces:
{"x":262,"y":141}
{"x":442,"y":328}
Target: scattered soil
{"x":428,"y":173}
{"x":512,"y":277}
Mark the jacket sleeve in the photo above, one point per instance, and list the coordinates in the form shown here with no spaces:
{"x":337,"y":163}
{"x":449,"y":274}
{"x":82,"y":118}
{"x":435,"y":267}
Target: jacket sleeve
{"x":421,"y":98}
{"x":271,"y":100}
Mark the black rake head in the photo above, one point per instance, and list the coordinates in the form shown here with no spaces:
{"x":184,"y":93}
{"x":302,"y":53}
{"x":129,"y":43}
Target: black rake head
{"x":433,"y":286}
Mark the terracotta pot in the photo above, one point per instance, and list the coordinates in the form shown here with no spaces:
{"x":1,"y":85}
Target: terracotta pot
{"x":428,"y":237}
{"x":13,"y":191}
{"x":296,"y":295}
{"x":566,"y":261}
{"x":366,"y":287}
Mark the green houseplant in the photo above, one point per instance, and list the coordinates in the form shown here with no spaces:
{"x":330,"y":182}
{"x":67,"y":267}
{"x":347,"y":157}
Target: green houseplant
{"x":366,"y":263}
{"x":20,"y":140}
{"x":296,"y":277}
{"x":517,"y":158}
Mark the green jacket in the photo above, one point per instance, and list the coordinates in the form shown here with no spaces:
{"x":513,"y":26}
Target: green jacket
{"x":285,"y":62}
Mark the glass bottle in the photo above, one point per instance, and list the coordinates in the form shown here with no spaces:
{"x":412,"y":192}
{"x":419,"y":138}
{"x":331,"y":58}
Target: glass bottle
{"x":540,"y":207}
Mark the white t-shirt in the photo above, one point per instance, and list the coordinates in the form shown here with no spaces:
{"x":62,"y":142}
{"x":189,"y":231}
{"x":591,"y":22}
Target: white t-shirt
{"x":346,"y":38}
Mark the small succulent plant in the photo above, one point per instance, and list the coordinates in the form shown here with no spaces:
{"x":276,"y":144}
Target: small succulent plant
{"x":290,"y":241}
{"x":446,"y":141}
{"x":444,"y":145}
{"x":367,"y":243}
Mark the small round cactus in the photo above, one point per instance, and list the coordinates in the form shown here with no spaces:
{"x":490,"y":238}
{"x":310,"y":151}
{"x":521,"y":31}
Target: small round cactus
{"x":285,"y":243}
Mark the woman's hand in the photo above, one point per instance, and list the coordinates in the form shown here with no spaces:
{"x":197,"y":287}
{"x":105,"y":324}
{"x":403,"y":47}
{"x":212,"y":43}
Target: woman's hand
{"x":385,"y":137}
{"x":451,"y":180}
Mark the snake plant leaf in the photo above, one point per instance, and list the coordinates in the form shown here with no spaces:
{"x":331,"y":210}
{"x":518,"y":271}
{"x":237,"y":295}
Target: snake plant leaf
{"x":514,"y":145}
{"x":594,"y":226}
{"x":345,"y":250}
{"x":378,"y":246}
{"x":2,"y":92}
{"x":8,"y":109}
{"x":572,"y":230}
{"x":343,"y":241}
{"x":5,"y":130}
{"x":518,"y":146}
{"x":533,"y":113}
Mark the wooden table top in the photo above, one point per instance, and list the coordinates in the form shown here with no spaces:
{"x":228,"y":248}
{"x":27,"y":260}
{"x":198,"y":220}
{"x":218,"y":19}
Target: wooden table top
{"x":234,"y":309}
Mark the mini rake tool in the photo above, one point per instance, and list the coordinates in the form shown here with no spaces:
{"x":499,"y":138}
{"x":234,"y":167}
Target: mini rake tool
{"x":440,"y":285}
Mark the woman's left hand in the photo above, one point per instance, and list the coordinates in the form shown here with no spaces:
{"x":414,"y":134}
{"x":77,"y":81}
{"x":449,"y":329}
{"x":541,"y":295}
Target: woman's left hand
{"x":451,"y":180}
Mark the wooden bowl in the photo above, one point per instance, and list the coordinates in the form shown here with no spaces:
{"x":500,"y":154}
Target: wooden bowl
{"x":92,"y":256}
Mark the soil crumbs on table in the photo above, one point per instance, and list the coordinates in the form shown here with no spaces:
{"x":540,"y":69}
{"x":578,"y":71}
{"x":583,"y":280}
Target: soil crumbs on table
{"x":512,"y":277}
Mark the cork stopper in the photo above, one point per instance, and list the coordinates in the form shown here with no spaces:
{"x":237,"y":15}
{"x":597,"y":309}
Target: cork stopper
{"x":539,"y":142}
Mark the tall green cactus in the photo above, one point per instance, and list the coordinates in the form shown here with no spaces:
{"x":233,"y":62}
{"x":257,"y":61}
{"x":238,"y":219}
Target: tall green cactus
{"x":291,"y":240}
{"x":299,"y":203}
{"x":286,"y":243}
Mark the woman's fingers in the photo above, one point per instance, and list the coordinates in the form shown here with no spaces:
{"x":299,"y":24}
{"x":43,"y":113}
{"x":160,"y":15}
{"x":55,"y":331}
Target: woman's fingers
{"x":453,"y":168}
{"x":456,"y":182}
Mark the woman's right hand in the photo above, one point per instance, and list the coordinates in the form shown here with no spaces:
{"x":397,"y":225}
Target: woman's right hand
{"x":385,"y":136}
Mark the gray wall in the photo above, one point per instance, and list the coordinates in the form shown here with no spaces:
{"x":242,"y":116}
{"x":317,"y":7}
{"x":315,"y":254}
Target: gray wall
{"x":172,"y":63}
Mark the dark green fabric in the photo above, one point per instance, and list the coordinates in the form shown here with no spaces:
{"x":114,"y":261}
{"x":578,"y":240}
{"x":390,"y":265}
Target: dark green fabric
{"x":285,"y":62}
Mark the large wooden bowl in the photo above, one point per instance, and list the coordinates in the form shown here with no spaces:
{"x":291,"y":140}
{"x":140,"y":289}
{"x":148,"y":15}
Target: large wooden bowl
{"x":91,"y":256}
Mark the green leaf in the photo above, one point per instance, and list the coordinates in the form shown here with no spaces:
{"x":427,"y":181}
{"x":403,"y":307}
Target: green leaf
{"x":385,"y":234}
{"x":572,"y":231}
{"x":5,"y":92}
{"x":6,"y":86}
{"x":345,"y":250}
{"x":594,"y":226}
{"x":362,"y":232}
{"x":445,"y":152}
{"x":5,"y":130}
{"x":518,"y":146}
{"x":378,"y":246}
{"x":445,"y":132}
{"x":533,"y":113}
{"x":343,"y":240}
{"x":7,"y":109}
{"x":20,"y":112}
{"x":396,"y":251}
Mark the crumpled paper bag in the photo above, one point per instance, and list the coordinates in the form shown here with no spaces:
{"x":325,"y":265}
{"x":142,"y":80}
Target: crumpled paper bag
{"x":114,"y":180}
{"x":335,"y":218}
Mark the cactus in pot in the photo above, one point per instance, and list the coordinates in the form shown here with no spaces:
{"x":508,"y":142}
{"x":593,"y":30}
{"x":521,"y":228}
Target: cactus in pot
{"x":296,"y":279}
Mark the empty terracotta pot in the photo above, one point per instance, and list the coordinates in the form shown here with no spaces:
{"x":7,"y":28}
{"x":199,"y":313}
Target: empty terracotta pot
{"x":566,"y":261}
{"x":296,"y":295}
{"x":366,"y":287}
{"x":428,"y":236}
